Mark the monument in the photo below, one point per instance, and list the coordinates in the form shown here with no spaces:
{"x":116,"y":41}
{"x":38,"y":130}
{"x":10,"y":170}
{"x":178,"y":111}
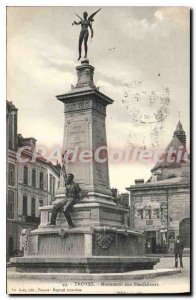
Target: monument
{"x":101,"y":241}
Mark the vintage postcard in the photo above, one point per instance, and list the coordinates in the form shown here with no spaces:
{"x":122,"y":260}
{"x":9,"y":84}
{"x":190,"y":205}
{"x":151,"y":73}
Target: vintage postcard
{"x":98,"y":150}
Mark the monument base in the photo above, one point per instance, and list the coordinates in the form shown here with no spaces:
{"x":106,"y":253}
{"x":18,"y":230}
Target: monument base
{"x":95,"y":264}
{"x":86,"y":214}
{"x":90,"y":249}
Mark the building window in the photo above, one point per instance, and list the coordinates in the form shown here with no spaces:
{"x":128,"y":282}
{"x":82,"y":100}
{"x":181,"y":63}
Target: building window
{"x":163,"y":212}
{"x":25,"y":179}
{"x":171,"y":235}
{"x":11,"y":204}
{"x":156,"y":213}
{"x":163,"y":238}
{"x":148,"y":213}
{"x":11,"y":177}
{"x":24,"y":206}
{"x":34,"y":178}
{"x":12,"y":130}
{"x":10,"y":207}
{"x":11,"y":172}
{"x":11,"y":246}
{"x":140,"y":213}
{"x":41,"y":203}
{"x":50,"y":185}
{"x":54,"y":181}
{"x":41,"y":182}
{"x":33,"y":207}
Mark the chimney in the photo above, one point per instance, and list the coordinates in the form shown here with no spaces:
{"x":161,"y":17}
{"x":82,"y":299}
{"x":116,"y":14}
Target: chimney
{"x":139,"y":181}
{"x":114,"y":192}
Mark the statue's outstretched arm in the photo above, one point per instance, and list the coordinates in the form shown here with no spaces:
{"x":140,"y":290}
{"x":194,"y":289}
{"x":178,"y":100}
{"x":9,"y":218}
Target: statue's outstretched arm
{"x":76,"y":23}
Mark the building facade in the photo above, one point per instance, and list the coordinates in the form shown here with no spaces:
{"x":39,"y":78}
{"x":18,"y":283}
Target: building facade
{"x":160,"y":207}
{"x":30,"y":184}
{"x":53,"y":173}
{"x":121,"y":199}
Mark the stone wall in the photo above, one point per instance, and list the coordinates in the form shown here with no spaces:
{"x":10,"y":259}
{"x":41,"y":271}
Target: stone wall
{"x":178,"y":207}
{"x":169,"y":206}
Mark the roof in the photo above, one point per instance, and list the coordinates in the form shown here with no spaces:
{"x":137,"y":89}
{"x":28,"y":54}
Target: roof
{"x":39,"y":158}
{"x":176,"y":144}
{"x":10,"y":105}
{"x":171,"y":182}
{"x":179,"y":127}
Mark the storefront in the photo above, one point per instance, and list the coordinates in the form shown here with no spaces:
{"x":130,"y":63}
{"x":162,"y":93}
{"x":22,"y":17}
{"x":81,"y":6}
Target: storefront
{"x":156,"y":241}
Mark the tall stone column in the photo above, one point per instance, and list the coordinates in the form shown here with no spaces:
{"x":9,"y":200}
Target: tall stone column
{"x":85,"y":135}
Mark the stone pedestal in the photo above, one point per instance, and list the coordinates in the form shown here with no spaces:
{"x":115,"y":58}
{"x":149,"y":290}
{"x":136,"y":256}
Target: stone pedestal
{"x":85,"y":136}
{"x":89,"y":214}
{"x":88,"y":248}
{"x":101,"y":242}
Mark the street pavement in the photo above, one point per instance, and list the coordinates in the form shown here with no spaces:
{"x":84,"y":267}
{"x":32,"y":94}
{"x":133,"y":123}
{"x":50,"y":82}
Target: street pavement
{"x":177,"y":283}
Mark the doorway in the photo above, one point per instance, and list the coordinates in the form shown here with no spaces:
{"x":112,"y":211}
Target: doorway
{"x":184,"y":231}
{"x":11,"y":246}
{"x":150,"y":242}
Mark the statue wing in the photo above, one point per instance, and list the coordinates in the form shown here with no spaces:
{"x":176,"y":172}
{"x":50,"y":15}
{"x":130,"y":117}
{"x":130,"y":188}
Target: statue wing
{"x":91,"y":16}
{"x":79,"y":17}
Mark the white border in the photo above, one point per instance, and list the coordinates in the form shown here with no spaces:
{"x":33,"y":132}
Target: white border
{"x":3,"y":4}
{"x":156,"y":3}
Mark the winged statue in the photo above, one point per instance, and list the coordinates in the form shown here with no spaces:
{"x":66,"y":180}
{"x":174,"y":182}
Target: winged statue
{"x":85,"y":23}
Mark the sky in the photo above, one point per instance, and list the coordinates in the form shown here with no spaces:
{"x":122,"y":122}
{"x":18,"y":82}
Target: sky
{"x":141,"y":60}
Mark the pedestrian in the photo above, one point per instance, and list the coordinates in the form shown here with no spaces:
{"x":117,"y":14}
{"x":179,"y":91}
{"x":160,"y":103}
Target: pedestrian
{"x":178,"y":251}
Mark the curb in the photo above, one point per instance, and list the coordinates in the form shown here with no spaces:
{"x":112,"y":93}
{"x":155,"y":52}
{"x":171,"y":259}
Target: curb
{"x":86,"y":276}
